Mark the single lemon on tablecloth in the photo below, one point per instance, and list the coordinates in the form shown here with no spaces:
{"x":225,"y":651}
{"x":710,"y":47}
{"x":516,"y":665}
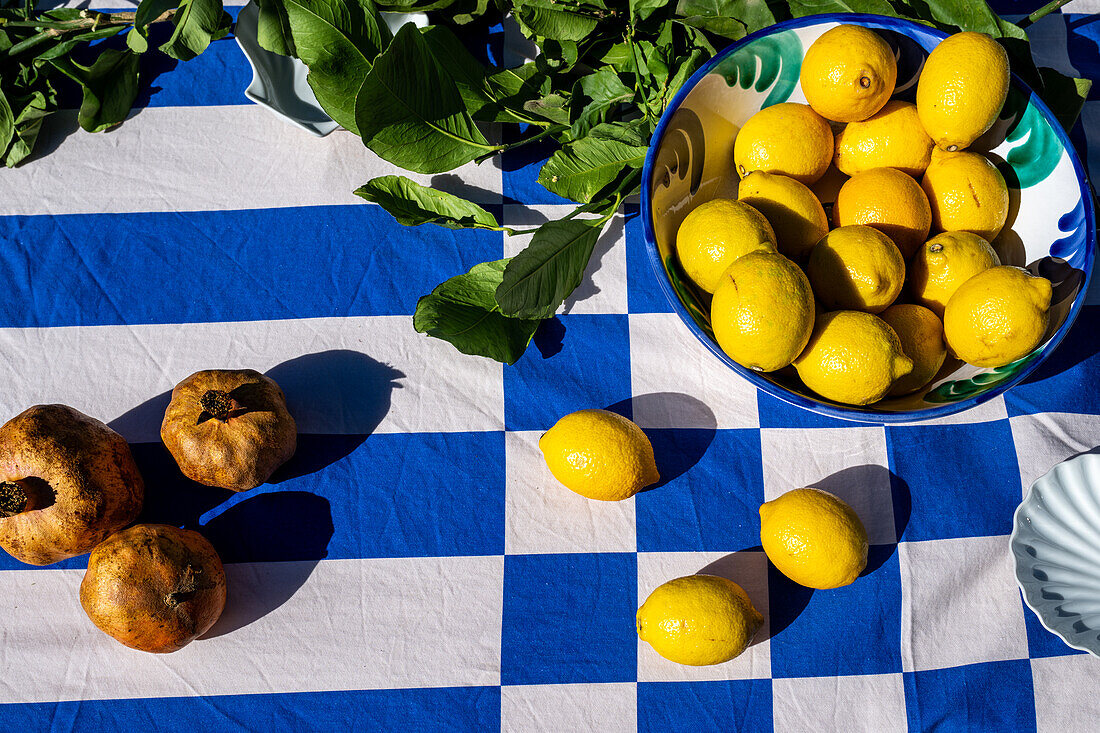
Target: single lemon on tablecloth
{"x":848,"y":73}
{"x":856,"y":268}
{"x":785,"y":138}
{"x":997,"y":316}
{"x":967,"y":194}
{"x":893,"y":137}
{"x":944,"y":263}
{"x":962,"y":88}
{"x":814,"y":538}
{"x":763,"y":311}
{"x":789,"y":206}
{"x":852,"y":357}
{"x":888,"y":200}
{"x":698,"y":620}
{"x":715,"y":234}
{"x":600,"y":455}
{"x":921,"y":334}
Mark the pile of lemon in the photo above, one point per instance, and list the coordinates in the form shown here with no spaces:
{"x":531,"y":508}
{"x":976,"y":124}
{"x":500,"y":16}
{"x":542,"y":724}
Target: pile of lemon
{"x":810,"y":535}
{"x":907,"y":275}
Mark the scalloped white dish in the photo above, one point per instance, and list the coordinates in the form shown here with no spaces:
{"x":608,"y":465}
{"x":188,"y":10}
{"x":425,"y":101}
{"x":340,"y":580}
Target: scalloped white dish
{"x":1056,"y":543}
{"x":279,"y":82}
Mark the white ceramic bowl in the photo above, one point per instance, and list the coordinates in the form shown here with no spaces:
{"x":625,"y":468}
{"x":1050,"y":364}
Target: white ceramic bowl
{"x":1050,"y":229}
{"x":279,"y":82}
{"x":1056,"y":543}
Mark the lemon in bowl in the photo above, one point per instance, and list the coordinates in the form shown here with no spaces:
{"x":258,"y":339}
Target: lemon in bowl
{"x":1048,"y":226}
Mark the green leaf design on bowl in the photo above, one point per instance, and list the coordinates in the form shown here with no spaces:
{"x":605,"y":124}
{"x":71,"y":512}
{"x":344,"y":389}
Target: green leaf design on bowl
{"x":689,"y":296}
{"x":962,"y":389}
{"x":1038,"y":151}
{"x":780,"y":58}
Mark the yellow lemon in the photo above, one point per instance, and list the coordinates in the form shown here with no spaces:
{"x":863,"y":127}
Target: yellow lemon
{"x":698,"y":620}
{"x":888,"y":200}
{"x":967,"y":194}
{"x":893,"y":137}
{"x":814,"y":538}
{"x":715,"y":234}
{"x":921,"y":334}
{"x":962,"y":88}
{"x":785,"y":138}
{"x":997,"y":316}
{"x":829,"y":185}
{"x":789,"y":206}
{"x":600,"y":455}
{"x":856,"y":268}
{"x":944,"y":263}
{"x":763,"y":311}
{"x":852,"y":357}
{"x":848,"y":73}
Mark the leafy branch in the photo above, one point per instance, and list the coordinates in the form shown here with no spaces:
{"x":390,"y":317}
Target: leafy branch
{"x":601,"y":79}
{"x":70,"y":45}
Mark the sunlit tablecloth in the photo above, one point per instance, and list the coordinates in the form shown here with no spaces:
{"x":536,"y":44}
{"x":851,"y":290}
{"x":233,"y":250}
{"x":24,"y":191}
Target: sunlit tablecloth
{"x":415,"y":567}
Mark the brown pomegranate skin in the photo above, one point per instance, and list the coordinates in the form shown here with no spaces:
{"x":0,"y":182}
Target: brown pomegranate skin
{"x":154,"y":587}
{"x":79,"y":478}
{"x":229,"y":428}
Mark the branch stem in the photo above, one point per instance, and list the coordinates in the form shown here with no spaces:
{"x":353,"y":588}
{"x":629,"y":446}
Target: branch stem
{"x":1042,"y":12}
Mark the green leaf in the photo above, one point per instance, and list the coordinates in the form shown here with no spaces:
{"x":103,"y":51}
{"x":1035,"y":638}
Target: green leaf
{"x":512,"y":89}
{"x":642,"y":9}
{"x":412,"y":6}
{"x":727,"y":18}
{"x":197,"y":23}
{"x":802,"y":8}
{"x":582,"y":169}
{"x":484,"y":101}
{"x":273,"y":31}
{"x":110,"y":88}
{"x":600,"y":92}
{"x":463,"y":312}
{"x":338,"y":40}
{"x":635,"y":133}
{"x":553,"y":107}
{"x":7,"y":123}
{"x":411,"y":113}
{"x":413,"y":204}
{"x":28,"y":122}
{"x":548,"y":19}
{"x":147,"y":11}
{"x":542,"y":276}
{"x":1064,"y":95}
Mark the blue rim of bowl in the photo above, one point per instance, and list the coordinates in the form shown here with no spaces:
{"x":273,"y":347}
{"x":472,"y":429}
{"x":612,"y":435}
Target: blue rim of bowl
{"x":1019,"y":557}
{"x":825,"y":408}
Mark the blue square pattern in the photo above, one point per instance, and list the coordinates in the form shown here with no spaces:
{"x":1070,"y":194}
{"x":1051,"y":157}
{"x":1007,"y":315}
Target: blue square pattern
{"x":992,"y":696}
{"x":520,"y":171}
{"x":1066,"y":381}
{"x":964,"y":479}
{"x":712,"y":485}
{"x":434,"y":709}
{"x":569,"y":618}
{"x":867,"y":642}
{"x":592,"y":369}
{"x":1042,"y":643}
{"x":699,"y":707}
{"x":643,"y":293}
{"x":347,"y":496}
{"x":775,"y":413}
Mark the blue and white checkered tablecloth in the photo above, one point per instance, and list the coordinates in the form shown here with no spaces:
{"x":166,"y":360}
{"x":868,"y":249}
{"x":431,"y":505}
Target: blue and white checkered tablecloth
{"x":416,"y":567}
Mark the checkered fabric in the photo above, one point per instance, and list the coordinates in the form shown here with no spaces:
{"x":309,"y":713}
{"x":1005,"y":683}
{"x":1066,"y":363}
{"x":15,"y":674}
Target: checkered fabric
{"x":416,"y":567}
